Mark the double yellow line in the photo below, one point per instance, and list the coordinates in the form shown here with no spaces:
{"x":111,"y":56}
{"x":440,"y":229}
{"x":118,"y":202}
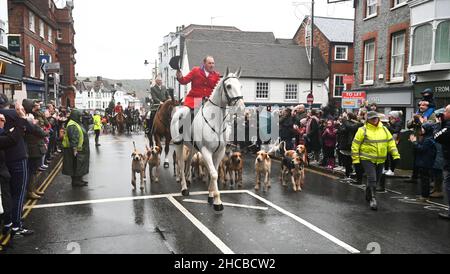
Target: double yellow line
{"x":31,"y":203}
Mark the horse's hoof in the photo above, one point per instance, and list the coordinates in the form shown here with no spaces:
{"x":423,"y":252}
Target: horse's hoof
{"x":210,"y":200}
{"x":218,"y":208}
{"x":185,"y":192}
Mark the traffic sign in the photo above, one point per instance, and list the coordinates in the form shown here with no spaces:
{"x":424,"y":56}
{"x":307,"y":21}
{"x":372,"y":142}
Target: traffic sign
{"x":52,"y":67}
{"x":44,"y":59}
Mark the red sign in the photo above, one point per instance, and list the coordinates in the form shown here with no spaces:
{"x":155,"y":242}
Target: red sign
{"x":354,"y":95}
{"x":353,"y":99}
{"x":310,"y":99}
{"x":349,"y":79}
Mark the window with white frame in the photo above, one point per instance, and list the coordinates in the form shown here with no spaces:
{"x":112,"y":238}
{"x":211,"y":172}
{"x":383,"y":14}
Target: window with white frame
{"x":341,"y":53}
{"x":397,"y":56}
{"x":32,"y":61}
{"x":262,"y":90}
{"x":339,"y":85}
{"x":369,"y":61}
{"x":31,"y":22}
{"x":399,"y":2}
{"x":50,"y":35}
{"x":59,"y":34}
{"x":2,"y":33}
{"x":422,"y":45}
{"x":291,"y":92}
{"x":41,"y":52}
{"x":442,"y":48}
{"x":371,"y":8}
{"x":41,"y":29}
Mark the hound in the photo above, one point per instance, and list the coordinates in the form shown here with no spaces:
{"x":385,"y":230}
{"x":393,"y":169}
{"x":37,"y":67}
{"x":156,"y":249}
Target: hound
{"x":236,"y":169}
{"x":263,"y":166}
{"x":138,"y":164}
{"x":153,"y":161}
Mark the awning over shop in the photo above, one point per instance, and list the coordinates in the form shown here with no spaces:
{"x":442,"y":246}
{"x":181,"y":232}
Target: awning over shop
{"x":4,"y":80}
{"x":34,"y":86}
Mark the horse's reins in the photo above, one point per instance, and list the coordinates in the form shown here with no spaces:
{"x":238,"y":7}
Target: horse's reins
{"x":231,"y":102}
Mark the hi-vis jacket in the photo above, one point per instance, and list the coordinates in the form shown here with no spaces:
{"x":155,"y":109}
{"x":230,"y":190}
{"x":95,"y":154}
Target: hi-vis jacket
{"x":372,"y":143}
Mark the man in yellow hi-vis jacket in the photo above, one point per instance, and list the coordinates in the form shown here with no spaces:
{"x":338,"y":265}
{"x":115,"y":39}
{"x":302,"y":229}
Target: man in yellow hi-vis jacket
{"x":370,"y":147}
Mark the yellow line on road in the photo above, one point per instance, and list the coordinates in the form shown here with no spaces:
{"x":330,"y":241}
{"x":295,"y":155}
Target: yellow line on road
{"x":44,"y":187}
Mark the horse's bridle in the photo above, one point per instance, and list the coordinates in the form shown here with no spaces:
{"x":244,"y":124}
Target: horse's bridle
{"x":231,"y":102}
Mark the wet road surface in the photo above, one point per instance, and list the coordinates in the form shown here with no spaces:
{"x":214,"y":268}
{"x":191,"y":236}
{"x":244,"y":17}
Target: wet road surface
{"x":327,"y":217}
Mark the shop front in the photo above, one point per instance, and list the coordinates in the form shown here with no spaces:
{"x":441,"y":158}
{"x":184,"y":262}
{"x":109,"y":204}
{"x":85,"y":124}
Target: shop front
{"x":441,"y":90}
{"x":393,"y":100}
{"x":35,"y":89}
{"x":11,"y":73}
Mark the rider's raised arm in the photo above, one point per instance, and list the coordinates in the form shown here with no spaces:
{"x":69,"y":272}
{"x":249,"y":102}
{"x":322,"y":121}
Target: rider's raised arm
{"x":187,"y":79}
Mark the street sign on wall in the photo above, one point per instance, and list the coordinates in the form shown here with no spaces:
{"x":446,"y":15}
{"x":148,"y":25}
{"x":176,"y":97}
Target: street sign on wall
{"x":14,"y":43}
{"x":353,"y":99}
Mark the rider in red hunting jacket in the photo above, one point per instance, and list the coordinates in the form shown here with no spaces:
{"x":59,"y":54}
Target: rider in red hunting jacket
{"x":204,"y":79}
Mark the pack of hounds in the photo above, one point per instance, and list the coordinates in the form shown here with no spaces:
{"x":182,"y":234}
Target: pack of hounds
{"x":293,"y":163}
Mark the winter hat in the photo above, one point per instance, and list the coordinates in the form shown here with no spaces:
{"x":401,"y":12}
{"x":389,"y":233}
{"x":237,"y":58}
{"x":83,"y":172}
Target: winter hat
{"x":396,"y":114}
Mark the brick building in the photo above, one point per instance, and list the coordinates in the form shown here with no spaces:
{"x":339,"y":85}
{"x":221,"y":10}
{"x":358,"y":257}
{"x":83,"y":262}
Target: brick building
{"x":66,"y":53}
{"x":382,"y":54}
{"x":334,"y":39}
{"x":44,"y":29}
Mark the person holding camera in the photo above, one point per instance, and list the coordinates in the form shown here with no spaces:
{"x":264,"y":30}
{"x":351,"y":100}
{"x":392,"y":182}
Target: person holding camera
{"x":442,"y":136}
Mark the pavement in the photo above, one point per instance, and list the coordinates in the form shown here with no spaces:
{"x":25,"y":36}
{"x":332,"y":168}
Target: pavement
{"x":330,"y":216}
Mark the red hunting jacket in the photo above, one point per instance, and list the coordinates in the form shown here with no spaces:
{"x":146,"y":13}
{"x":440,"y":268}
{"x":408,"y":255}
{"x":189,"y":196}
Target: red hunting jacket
{"x":202,"y":86}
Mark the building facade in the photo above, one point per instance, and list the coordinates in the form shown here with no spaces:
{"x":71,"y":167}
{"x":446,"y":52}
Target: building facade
{"x":429,"y":62}
{"x":34,"y":22}
{"x":382,"y":30}
{"x":173,"y":46}
{"x":11,"y":66}
{"x":333,"y":37}
{"x":65,"y":39}
{"x":277,"y":74}
{"x":44,"y":29}
{"x":96,"y":95}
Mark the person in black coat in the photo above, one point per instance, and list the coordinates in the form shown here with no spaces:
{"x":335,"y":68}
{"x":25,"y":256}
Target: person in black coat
{"x":287,"y":132}
{"x":17,"y":163}
{"x":426,"y":155}
{"x":442,"y":136}
{"x":395,"y":126}
{"x":8,"y":139}
{"x":346,"y":132}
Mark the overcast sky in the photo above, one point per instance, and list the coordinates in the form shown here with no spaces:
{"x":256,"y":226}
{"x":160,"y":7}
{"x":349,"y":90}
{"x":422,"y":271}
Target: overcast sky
{"x":114,"y":37}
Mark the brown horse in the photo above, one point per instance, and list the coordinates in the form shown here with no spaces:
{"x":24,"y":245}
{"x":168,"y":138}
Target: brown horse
{"x":120,"y":122}
{"x":161,"y":127}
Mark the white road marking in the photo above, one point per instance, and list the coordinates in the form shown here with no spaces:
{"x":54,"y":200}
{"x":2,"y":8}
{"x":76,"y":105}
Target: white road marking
{"x":437,"y":204}
{"x":307,"y":224}
{"x":208,"y":233}
{"x":124,"y":199}
{"x":226,"y":204}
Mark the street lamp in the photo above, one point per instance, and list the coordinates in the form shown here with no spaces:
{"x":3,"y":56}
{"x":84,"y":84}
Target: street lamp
{"x":155,"y":69}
